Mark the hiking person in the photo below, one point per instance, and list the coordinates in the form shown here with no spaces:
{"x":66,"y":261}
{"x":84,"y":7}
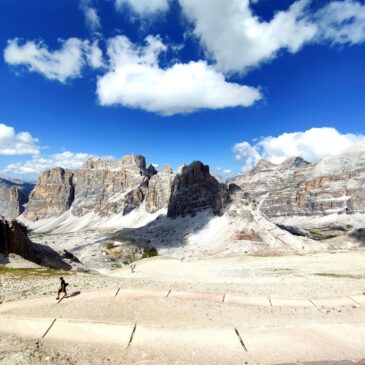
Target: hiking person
{"x":62,"y":288}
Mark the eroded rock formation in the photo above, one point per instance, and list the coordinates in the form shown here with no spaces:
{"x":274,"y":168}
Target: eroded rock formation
{"x":195,"y":189}
{"x":298,"y":188}
{"x":14,"y":238}
{"x":13,"y":195}
{"x":53,"y":194}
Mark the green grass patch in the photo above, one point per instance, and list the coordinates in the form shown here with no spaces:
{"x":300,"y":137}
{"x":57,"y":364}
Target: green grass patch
{"x":150,"y":253}
{"x":33,"y":272}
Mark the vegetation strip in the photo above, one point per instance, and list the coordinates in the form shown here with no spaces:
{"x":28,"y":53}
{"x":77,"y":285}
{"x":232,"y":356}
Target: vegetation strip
{"x":45,"y":334}
{"x":240,"y":339}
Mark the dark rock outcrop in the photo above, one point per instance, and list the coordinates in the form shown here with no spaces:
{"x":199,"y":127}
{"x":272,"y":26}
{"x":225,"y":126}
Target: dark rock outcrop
{"x":195,"y":189}
{"x":14,"y":238}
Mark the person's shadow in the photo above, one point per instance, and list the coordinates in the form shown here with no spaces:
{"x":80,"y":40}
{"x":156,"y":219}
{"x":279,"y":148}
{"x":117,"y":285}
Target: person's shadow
{"x":74,"y":294}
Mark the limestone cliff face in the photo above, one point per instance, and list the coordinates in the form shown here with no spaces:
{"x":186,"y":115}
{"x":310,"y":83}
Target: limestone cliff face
{"x":111,"y":186}
{"x":108,"y":187}
{"x":52,"y":196}
{"x":159,"y":190}
{"x":14,"y":238}
{"x":295,"y":187}
{"x":102,"y":186}
{"x":194,"y":189}
{"x":13,"y":195}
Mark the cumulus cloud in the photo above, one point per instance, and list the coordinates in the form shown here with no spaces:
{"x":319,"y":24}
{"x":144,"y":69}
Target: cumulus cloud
{"x":238,"y":40}
{"x":342,"y":22}
{"x":12,"y":143}
{"x":143,"y":7}
{"x":32,"y":168}
{"x":61,"y":65}
{"x":312,"y":145}
{"x":135,"y":79}
{"x":92,"y":18}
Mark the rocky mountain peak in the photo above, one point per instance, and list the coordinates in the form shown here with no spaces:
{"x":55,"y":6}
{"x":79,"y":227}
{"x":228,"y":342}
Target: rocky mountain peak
{"x":125,"y":162}
{"x":167,"y":169}
{"x":263,"y":165}
{"x":194,"y":189}
{"x":294,"y":163}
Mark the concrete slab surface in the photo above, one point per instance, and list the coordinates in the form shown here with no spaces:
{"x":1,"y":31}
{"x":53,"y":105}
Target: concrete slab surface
{"x":196,"y":296}
{"x":236,"y":299}
{"x":125,"y":294}
{"x":25,"y":327}
{"x":334,"y":302}
{"x":290,"y":302}
{"x":90,"y":332}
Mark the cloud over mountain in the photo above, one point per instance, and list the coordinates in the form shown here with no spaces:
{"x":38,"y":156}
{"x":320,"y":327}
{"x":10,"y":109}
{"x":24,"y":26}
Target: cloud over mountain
{"x":312,"y":145}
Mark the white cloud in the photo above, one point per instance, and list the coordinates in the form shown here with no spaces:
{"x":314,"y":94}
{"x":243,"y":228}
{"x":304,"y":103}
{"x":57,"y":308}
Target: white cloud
{"x":135,"y":79}
{"x":94,"y":55}
{"x":12,"y":143}
{"x":312,"y":145}
{"x":227,"y":171}
{"x":62,"y":64}
{"x":342,"y":22}
{"x":92,"y":18}
{"x":32,"y":168}
{"x":144,"y":7}
{"x":238,"y":40}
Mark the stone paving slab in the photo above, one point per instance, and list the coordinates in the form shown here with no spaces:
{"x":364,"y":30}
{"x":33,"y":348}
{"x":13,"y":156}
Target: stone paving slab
{"x":272,"y":344}
{"x":25,"y":327}
{"x":314,"y":343}
{"x":196,"y":296}
{"x":140,"y":294}
{"x":191,"y":344}
{"x":360,"y":299}
{"x":90,"y":332}
{"x":236,"y":299}
{"x":334,"y":302}
{"x":290,"y":302}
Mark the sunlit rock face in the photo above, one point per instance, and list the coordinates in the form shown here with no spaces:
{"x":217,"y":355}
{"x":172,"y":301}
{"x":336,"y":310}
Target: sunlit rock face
{"x":159,"y":190}
{"x":111,"y":186}
{"x":101,"y":186}
{"x":52,"y":195}
{"x":13,"y":195}
{"x":298,"y":188}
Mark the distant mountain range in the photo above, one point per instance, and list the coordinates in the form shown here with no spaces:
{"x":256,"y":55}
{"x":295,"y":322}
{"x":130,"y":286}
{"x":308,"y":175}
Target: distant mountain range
{"x":269,"y":207}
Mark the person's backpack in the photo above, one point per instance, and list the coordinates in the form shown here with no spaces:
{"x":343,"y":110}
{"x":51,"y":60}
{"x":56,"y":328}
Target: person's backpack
{"x":66,"y":284}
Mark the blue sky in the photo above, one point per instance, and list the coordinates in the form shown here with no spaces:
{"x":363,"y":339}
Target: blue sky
{"x":223,"y":82}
